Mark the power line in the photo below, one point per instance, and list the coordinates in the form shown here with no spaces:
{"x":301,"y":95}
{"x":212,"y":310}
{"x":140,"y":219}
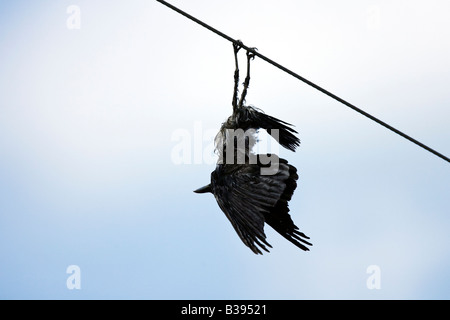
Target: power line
{"x":312,"y":84}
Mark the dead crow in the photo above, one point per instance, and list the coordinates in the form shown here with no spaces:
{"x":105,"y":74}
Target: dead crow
{"x":254,"y":189}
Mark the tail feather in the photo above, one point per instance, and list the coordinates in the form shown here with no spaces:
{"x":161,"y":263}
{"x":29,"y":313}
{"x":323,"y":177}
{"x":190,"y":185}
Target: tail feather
{"x":286,"y":135}
{"x":250,"y":117}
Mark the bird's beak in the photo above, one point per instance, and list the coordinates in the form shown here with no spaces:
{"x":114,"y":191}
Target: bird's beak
{"x":204,"y":189}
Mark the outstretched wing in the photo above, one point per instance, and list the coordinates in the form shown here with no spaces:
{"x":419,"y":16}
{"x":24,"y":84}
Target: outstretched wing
{"x":244,"y":198}
{"x":249,"y":199}
{"x":278,"y":217}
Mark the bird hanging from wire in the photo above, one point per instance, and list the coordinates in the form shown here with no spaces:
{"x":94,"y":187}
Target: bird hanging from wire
{"x":254,"y":189}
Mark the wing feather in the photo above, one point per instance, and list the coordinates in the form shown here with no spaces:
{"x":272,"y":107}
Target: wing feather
{"x":250,"y":199}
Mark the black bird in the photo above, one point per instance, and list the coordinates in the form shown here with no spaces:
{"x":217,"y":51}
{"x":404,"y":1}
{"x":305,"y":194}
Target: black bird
{"x":249,"y":199}
{"x":254,"y":189}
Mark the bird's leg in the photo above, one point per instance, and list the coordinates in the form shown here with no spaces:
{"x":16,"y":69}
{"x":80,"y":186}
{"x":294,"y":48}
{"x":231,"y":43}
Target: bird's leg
{"x":236,"y":48}
{"x":250,"y":56}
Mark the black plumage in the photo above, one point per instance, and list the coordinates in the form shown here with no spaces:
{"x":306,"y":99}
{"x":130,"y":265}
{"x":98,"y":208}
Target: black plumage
{"x":256,"y":190}
{"x":250,"y":199}
{"x":247,"y":117}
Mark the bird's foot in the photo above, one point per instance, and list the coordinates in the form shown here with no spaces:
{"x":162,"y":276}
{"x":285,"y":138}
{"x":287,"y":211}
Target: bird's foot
{"x":251,"y":53}
{"x":237,"y":46}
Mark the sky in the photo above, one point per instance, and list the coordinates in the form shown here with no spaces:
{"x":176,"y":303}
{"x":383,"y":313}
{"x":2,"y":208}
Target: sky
{"x":108,"y":110}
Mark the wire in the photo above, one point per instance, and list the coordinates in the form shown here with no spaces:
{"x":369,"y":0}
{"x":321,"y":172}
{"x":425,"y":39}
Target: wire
{"x":312,"y":84}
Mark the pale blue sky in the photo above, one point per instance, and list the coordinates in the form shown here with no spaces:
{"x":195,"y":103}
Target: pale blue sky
{"x":87,"y":177}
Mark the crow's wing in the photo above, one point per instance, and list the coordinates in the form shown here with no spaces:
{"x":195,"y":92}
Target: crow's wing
{"x":278,"y":217}
{"x":249,"y":199}
{"x":244,"y":198}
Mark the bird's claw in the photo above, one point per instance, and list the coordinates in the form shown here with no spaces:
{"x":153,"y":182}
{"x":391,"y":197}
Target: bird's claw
{"x":237,"y":46}
{"x":251,"y":53}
